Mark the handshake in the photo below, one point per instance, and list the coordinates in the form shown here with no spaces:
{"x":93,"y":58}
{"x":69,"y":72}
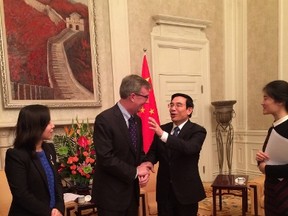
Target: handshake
{"x":143,"y":172}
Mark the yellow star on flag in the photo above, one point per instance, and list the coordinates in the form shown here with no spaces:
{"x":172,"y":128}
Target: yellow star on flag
{"x":142,"y":110}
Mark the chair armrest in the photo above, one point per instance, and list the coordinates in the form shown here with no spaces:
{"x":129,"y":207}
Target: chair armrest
{"x":258,"y":183}
{"x":257,"y":194}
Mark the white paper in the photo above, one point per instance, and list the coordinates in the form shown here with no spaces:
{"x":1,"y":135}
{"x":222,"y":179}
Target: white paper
{"x":277,"y":149}
{"x":70,"y":197}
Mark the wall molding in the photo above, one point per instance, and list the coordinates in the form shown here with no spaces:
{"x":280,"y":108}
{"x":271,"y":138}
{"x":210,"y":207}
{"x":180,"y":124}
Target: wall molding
{"x":245,"y":146}
{"x":235,"y":31}
{"x":283,"y":40}
{"x":119,"y":28}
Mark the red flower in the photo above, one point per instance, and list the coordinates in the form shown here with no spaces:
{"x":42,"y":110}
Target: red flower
{"x":70,"y":160}
{"x":74,"y":172}
{"x":83,"y":142}
{"x":73,"y":167}
{"x":89,"y":160}
{"x":75,"y":159}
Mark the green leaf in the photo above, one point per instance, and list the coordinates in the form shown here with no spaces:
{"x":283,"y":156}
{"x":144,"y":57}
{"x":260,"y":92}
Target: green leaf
{"x":63,"y":150}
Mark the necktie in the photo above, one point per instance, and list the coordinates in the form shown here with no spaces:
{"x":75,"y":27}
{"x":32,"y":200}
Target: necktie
{"x":176,"y":131}
{"x":133,"y":131}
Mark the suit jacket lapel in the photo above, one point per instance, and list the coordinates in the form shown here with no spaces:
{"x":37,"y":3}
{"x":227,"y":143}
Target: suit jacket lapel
{"x":139,"y":136}
{"x":39,"y":167}
{"x":183,"y":130}
{"x":49,"y":156}
{"x":168,"y":150}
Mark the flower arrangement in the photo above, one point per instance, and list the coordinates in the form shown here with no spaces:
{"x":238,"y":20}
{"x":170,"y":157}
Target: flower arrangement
{"x":76,"y":153}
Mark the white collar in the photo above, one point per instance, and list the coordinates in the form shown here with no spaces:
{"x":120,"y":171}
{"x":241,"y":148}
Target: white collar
{"x":179,"y":126}
{"x":279,"y":121}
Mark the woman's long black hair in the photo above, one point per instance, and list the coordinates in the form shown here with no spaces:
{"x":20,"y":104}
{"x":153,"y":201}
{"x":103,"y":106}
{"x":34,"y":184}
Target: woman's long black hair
{"x":31,"y":123}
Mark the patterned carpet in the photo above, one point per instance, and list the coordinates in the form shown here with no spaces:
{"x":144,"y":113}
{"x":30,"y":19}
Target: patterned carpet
{"x":231,"y":205}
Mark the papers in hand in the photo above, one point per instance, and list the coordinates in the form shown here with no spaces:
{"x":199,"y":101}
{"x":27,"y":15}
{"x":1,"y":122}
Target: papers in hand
{"x":70,"y":197}
{"x":277,"y":149}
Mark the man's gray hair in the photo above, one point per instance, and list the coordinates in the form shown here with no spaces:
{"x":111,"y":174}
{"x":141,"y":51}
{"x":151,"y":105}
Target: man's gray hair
{"x":132,"y":84}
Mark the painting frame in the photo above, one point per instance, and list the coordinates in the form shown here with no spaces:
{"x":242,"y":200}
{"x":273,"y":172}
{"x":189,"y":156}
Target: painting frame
{"x":6,"y":86}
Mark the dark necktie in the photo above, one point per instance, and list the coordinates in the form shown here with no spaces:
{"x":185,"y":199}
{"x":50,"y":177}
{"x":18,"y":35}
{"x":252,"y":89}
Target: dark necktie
{"x":133,"y":131}
{"x":176,"y":131}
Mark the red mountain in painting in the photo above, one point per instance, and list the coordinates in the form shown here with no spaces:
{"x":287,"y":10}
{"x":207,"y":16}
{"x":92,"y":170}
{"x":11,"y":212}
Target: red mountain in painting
{"x":27,"y":34}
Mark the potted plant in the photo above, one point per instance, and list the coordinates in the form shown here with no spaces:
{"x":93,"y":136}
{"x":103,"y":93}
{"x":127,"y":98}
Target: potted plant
{"x":76,"y":153}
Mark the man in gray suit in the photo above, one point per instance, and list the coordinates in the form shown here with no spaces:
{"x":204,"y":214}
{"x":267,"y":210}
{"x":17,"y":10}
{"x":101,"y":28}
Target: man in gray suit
{"x":119,"y":152}
{"x":177,"y":147}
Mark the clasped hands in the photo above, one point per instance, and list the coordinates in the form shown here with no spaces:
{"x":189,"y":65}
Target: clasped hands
{"x":56,"y":212}
{"x":143,"y":171}
{"x":146,"y":167}
{"x":261,"y":157}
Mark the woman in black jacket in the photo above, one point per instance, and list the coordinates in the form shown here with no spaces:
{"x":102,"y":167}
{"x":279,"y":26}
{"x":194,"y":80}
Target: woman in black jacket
{"x":31,"y":166}
{"x":273,"y":159}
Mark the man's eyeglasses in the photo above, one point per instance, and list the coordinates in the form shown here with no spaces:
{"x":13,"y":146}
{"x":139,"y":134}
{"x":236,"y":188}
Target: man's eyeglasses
{"x":177,"y":105}
{"x":144,"y":96}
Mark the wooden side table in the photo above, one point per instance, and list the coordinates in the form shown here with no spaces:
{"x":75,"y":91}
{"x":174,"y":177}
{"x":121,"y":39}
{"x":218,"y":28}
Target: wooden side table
{"x":227,"y":182}
{"x":70,"y":208}
{"x":80,"y":208}
{"x":254,"y":187}
{"x":74,"y":208}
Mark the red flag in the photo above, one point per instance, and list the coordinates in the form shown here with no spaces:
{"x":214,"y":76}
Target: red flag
{"x":148,"y":110}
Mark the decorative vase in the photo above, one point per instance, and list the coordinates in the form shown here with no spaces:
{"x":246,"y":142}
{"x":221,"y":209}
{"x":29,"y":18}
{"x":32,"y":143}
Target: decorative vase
{"x":224,"y":131}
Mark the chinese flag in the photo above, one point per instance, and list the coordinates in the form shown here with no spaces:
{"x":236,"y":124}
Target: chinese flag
{"x":148,"y":110}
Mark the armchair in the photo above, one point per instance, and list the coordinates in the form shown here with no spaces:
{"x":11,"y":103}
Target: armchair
{"x":150,"y":194}
{"x":257,"y":185}
{"x":6,"y":197}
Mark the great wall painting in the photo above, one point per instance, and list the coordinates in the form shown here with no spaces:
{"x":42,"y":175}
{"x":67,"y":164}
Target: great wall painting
{"x":49,"y":52}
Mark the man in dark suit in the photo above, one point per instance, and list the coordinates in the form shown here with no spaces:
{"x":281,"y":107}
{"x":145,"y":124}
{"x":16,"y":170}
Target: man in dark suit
{"x":177,"y":146}
{"x":119,"y":152}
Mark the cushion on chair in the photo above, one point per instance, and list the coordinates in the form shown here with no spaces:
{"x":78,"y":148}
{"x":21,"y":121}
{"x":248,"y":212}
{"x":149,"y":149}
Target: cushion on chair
{"x":150,"y":193}
{"x":259,"y":183}
{"x":262,"y":202}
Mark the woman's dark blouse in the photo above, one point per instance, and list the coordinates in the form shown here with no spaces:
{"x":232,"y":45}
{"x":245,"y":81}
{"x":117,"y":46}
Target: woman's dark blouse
{"x":276,"y":181}
{"x":278,"y":171}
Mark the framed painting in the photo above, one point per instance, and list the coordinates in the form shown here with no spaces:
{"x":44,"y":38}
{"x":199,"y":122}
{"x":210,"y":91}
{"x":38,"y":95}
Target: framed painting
{"x":48,"y":53}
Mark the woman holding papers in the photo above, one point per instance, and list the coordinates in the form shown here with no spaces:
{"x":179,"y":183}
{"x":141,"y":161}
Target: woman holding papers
{"x":273,"y":159}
